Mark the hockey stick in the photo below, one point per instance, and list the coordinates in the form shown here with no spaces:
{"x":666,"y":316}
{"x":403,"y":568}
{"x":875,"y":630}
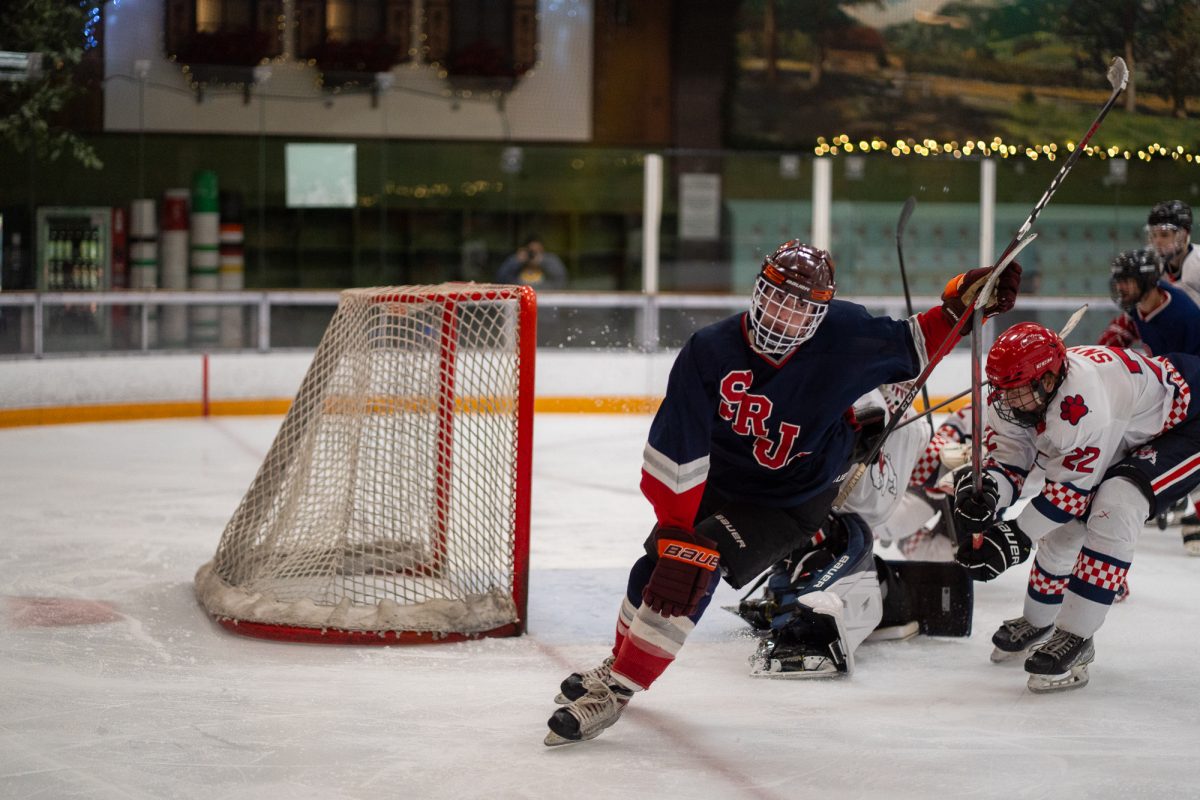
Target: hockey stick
{"x":942,"y":349}
{"x":1118,"y":77}
{"x":909,"y":205}
{"x":1072,"y":321}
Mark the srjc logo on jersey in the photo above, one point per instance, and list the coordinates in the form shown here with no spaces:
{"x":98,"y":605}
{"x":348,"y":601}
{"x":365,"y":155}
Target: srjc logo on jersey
{"x":748,"y":414}
{"x":1073,"y":408}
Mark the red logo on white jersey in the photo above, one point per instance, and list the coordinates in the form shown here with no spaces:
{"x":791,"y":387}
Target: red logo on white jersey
{"x":1073,"y":408}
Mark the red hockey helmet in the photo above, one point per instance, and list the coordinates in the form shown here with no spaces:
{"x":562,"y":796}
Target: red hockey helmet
{"x":791,"y":297}
{"x":1016,"y":366}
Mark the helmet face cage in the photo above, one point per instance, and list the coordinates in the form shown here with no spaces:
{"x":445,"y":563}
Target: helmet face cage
{"x":1168,"y":228}
{"x":780,"y":320}
{"x":1023,"y":405}
{"x":1142,"y":267}
{"x":791,"y":297}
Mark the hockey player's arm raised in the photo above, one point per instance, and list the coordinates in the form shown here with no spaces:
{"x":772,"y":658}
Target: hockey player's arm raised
{"x":930,"y":328}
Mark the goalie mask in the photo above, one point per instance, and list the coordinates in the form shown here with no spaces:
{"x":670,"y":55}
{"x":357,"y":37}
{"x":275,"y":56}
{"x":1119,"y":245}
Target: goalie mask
{"x":791,"y":297}
{"x":1017,"y":368}
{"x":1134,"y":273}
{"x":1169,"y":228}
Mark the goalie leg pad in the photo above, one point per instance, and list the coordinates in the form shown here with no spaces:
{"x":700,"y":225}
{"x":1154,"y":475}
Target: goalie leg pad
{"x":811,"y":645}
{"x":824,"y":615}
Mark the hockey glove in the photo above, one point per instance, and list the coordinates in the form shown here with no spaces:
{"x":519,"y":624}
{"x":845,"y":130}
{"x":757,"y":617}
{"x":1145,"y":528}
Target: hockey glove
{"x":973,"y":513}
{"x":686,"y":562}
{"x":869,"y":423}
{"x":961,"y":290}
{"x":1003,"y":545}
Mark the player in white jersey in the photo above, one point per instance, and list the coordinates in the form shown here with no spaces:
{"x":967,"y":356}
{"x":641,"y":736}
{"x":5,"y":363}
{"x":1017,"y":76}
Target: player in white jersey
{"x":1169,"y":233}
{"x":1116,"y":433}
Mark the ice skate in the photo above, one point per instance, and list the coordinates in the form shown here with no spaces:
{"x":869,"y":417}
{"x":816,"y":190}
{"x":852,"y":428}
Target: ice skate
{"x":1191,"y":539}
{"x":1015,"y":637}
{"x":572,"y":686}
{"x":1060,"y":663}
{"x":801,"y":660}
{"x":585,"y":718}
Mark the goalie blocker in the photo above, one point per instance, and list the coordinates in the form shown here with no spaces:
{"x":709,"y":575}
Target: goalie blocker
{"x":822,"y":602}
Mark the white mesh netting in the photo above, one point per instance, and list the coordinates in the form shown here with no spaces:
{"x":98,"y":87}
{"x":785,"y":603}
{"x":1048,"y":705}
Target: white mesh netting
{"x":388,"y":500}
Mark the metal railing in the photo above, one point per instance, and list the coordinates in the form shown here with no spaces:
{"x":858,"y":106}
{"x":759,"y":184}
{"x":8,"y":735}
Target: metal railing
{"x":641,"y":328}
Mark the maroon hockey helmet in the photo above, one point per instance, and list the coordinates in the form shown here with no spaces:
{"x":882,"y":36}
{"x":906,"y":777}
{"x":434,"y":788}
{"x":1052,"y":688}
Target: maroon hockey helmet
{"x":791,"y":296}
{"x":1016,"y":365}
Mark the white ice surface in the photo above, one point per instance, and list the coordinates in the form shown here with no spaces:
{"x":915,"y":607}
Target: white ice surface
{"x":162,"y":703}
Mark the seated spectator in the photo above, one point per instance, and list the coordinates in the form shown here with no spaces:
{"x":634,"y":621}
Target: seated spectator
{"x":532,"y":266}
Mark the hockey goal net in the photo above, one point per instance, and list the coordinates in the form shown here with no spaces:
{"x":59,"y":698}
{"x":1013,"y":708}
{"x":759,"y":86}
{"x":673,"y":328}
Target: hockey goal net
{"x":393,"y":505}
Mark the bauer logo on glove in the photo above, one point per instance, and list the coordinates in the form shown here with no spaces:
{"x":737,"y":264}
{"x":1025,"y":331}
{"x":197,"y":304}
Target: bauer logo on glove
{"x":679,"y":551}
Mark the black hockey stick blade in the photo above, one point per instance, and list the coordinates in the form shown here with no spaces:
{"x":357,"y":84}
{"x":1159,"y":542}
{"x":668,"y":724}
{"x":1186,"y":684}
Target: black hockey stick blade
{"x":941,"y":594}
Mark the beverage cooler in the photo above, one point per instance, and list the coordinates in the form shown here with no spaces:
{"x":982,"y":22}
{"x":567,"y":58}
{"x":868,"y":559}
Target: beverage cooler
{"x":74,"y":254}
{"x":74,"y":249}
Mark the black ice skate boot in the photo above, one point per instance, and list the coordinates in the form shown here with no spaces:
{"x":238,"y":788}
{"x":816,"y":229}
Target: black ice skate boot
{"x":1060,"y":663}
{"x":587,"y":717}
{"x":1015,"y":637}
{"x":571,"y":688}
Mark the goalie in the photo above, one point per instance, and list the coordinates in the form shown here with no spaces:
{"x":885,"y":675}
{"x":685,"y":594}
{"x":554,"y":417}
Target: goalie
{"x":823,"y":601}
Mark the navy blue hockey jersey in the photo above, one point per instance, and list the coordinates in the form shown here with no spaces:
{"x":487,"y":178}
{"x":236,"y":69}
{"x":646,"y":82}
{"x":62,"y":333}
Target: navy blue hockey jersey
{"x":766,"y":430}
{"x":1173,"y":327}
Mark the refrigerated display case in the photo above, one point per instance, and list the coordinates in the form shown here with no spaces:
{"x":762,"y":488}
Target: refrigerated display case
{"x":74,"y":254}
{"x":74,"y":249}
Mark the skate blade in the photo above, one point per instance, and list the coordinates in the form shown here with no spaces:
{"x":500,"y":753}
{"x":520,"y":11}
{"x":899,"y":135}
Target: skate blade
{"x":1076,"y":678}
{"x":554,"y":740}
{"x":561,"y":699}
{"x":1004,"y":656}
{"x":895,"y":633}
{"x":1192,"y":546}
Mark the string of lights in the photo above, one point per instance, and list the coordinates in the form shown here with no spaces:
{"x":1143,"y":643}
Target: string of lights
{"x":931,"y":148}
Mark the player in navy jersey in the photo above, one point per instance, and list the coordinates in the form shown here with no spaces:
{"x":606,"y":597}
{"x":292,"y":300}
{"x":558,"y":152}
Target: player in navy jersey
{"x":1157,"y":314}
{"x":1163,"y":318}
{"x":1118,"y":435}
{"x":745,"y":454}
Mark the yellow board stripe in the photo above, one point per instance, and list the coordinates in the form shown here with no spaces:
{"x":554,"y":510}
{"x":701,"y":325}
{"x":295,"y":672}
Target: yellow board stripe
{"x":119,"y":412}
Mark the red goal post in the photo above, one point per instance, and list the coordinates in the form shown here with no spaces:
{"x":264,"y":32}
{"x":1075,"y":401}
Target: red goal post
{"x":393,"y":505}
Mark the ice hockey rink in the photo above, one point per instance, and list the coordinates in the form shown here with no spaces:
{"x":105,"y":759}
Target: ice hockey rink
{"x":115,"y":684}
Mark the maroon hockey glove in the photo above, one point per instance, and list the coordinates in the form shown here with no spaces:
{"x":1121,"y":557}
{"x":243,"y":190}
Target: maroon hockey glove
{"x":686,"y":562}
{"x":1003,"y":545}
{"x":961,"y":290}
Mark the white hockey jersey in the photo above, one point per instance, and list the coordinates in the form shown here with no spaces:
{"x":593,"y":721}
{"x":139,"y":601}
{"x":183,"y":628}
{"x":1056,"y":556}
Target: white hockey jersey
{"x":1188,"y":278}
{"x":883,"y":487}
{"x":1112,"y":401}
